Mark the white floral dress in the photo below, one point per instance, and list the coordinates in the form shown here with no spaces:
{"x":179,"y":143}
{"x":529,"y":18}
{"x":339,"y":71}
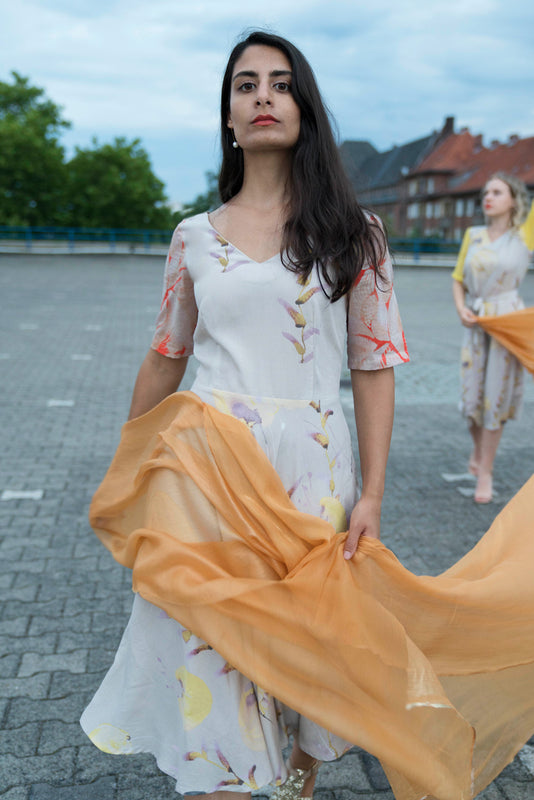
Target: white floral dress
{"x":492,"y":378}
{"x":270,"y":349}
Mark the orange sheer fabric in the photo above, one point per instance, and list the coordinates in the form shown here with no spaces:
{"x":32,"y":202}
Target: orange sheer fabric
{"x":515,"y":331}
{"x":434,"y":675}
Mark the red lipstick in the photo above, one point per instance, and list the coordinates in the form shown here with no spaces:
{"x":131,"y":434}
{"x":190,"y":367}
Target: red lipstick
{"x":264,"y":119}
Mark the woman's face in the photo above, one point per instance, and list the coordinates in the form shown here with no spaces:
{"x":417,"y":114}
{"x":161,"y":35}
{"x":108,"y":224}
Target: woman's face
{"x":263,"y":114}
{"x":497,"y":199}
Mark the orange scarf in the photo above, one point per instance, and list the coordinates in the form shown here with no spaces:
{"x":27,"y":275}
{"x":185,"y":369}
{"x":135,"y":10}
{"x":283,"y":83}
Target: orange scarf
{"x":433,"y":675}
{"x":515,"y":331}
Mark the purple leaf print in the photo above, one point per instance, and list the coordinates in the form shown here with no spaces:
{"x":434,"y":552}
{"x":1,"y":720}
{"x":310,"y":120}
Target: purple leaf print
{"x":307,"y":358}
{"x":249,"y":415}
{"x":309,"y":332}
{"x":224,"y":761}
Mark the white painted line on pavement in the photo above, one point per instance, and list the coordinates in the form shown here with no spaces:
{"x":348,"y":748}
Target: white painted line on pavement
{"x":450,"y":477}
{"x":13,"y":494}
{"x":28,"y":326}
{"x":92,"y":327}
{"x":81,"y":357}
{"x":5,"y":356}
{"x":59,"y":403}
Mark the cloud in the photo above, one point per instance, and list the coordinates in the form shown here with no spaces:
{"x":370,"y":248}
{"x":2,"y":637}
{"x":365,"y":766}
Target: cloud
{"x":389,"y":71}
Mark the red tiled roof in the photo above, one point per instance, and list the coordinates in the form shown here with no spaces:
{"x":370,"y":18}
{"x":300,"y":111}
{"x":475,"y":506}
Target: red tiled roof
{"x":470,"y":165}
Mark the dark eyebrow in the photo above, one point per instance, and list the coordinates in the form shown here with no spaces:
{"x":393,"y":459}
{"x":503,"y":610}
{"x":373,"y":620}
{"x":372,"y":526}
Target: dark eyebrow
{"x":249,"y":73}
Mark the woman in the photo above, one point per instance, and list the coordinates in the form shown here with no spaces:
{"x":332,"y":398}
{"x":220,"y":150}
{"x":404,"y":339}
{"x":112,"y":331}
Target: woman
{"x":492,"y":263}
{"x":261,"y":290}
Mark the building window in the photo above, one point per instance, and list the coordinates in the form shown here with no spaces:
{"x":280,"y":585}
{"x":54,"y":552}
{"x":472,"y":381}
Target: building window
{"x":470,"y":208}
{"x":413,"y":211}
{"x":438,"y":210}
{"x":430,"y":185}
{"x":459,"y":208}
{"x":457,"y":234}
{"x":429,"y":211}
{"x":412,"y":188}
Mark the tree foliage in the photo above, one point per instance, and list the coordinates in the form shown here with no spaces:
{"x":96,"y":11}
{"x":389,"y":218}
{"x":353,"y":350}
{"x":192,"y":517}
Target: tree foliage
{"x":113,"y":186}
{"x":102,"y":186}
{"x":203,"y":202}
{"x":32,"y":167}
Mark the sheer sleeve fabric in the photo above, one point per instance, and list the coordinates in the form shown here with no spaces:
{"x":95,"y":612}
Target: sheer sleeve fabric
{"x":375,"y":337}
{"x":458,"y":274}
{"x":177,"y":318}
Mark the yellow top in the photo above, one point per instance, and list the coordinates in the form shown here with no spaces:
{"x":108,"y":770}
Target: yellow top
{"x":526,"y":231}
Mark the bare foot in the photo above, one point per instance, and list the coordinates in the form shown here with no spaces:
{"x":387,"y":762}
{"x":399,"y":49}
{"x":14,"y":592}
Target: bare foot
{"x":484,"y":490}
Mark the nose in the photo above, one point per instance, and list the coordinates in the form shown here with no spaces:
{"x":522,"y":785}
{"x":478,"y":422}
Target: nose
{"x":264,"y":95}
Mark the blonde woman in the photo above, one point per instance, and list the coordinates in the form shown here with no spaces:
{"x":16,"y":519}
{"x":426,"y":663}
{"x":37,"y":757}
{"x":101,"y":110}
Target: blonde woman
{"x":492,"y":263}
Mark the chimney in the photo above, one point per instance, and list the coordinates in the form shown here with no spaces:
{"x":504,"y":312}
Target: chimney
{"x":494,"y":143}
{"x":448,"y":127}
{"x":512,"y":139}
{"x":477,"y":143}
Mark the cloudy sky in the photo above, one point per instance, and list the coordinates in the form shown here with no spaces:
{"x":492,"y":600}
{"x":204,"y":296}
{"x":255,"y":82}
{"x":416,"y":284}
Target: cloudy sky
{"x":390,"y":70}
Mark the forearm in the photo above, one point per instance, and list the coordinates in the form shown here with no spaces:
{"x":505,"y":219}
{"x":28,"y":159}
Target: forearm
{"x":458,"y":294}
{"x":158,"y":377}
{"x":374,"y":402}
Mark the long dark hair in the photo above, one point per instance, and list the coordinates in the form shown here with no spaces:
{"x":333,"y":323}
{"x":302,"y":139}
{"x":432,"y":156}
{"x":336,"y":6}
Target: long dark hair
{"x":325,"y":226}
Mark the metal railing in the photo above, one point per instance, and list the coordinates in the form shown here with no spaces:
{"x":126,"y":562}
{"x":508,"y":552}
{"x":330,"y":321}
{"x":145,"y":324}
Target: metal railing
{"x":72,"y":237}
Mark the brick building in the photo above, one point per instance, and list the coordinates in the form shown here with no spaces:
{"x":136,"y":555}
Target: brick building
{"x":431,"y":187}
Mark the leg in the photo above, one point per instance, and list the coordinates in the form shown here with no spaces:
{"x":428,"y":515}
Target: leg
{"x":489,"y":442}
{"x":474,"y":460}
{"x":302,"y":760}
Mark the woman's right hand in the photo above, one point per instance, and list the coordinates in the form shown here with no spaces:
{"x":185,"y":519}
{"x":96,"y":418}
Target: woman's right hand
{"x":467,"y":317}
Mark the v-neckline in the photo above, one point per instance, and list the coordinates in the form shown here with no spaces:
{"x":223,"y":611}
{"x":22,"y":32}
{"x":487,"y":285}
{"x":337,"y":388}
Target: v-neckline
{"x":252,"y":260}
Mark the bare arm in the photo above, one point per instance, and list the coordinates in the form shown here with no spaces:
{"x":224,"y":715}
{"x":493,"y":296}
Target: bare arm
{"x":374,"y":401}
{"x":467,"y":317}
{"x":158,"y":377}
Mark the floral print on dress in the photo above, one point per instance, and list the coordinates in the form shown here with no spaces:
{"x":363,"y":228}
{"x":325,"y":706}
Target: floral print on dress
{"x":299,"y":320}
{"x":226,"y":253}
{"x":491,"y":377}
{"x":332,"y":509}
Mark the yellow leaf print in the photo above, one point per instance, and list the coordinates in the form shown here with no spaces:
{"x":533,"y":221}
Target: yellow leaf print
{"x":221,"y":240}
{"x":322,"y":439}
{"x":194,"y":700}
{"x":333,"y":511}
{"x":110,"y":739}
{"x":223,"y":261}
{"x":186,"y":635}
{"x":306,"y":296}
{"x":299,"y":348}
{"x":249,"y":724}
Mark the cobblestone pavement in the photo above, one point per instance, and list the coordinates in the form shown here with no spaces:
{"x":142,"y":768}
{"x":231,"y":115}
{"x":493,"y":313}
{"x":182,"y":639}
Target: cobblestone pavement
{"x":73,"y":332}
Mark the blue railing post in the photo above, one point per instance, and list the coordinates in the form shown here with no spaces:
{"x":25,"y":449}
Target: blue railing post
{"x":112,"y":241}
{"x":71,"y":239}
{"x":28,"y":238}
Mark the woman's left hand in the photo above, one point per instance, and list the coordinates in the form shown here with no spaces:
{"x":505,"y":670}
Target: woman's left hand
{"x":364,"y":521}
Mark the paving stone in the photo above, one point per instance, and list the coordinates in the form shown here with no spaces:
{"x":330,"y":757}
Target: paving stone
{"x":21,"y":741}
{"x":17,"y":793}
{"x":102,"y":789}
{"x":42,"y":624}
{"x":56,"y":734}
{"x":21,"y":644}
{"x":33,"y":663}
{"x":66,"y":709}
{"x":35,"y":687}
{"x":17,"y":771}
{"x":9,"y":665}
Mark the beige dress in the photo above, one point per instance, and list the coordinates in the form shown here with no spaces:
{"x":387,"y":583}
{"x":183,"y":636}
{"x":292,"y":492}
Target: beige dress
{"x":492,"y":378}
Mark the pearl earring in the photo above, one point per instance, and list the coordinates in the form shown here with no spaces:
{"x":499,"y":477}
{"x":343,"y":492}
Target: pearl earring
{"x":235,"y":145}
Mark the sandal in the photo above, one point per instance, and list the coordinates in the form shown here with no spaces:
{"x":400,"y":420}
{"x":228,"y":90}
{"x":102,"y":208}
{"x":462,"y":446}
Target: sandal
{"x":291,"y":789}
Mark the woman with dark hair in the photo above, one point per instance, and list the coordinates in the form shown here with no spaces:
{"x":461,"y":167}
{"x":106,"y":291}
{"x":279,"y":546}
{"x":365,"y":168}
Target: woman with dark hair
{"x":263,"y":291}
{"x":492,"y":262}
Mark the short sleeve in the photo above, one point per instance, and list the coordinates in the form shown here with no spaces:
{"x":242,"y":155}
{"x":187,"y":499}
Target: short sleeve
{"x":375,"y":338}
{"x":177,"y":318}
{"x":527,"y":229}
{"x":458,"y":274}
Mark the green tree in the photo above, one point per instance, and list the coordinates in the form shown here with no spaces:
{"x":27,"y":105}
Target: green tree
{"x":32,"y":168}
{"x":113,"y":186}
